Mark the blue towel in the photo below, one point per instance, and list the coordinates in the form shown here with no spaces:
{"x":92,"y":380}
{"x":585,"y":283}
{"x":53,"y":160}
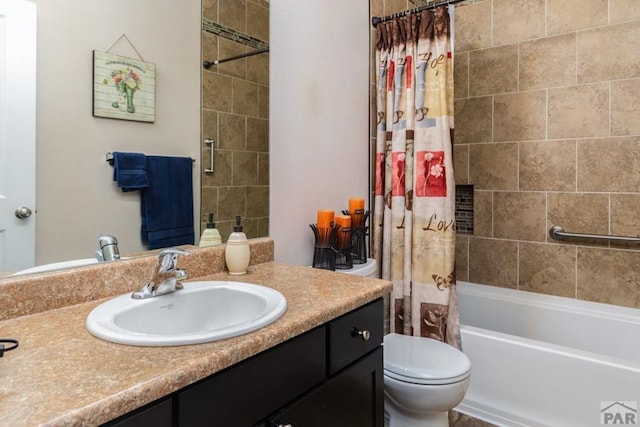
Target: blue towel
{"x":167,"y":204}
{"x":130,"y":171}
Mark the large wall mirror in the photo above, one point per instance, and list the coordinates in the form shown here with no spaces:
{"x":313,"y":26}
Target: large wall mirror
{"x":76,"y":198}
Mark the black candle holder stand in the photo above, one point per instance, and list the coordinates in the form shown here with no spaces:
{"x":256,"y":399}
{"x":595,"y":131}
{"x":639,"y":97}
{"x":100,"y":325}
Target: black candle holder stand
{"x":344,"y":260}
{"x":324,"y":255}
{"x":359,"y":234}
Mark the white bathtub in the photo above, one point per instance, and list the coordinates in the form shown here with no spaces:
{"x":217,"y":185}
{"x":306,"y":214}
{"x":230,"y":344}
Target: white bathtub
{"x":540,"y":360}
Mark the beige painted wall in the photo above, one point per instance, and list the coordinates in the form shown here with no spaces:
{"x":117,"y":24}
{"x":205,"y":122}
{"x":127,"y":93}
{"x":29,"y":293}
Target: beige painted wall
{"x":318,"y":116}
{"x":76,"y":198}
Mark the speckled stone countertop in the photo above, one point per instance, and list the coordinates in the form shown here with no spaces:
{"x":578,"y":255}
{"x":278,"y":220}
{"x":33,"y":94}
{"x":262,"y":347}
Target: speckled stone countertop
{"x":61,"y":375}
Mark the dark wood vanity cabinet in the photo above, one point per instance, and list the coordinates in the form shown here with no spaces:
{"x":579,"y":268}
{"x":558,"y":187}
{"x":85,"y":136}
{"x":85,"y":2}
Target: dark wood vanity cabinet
{"x":329,"y":376}
{"x":352,"y":393}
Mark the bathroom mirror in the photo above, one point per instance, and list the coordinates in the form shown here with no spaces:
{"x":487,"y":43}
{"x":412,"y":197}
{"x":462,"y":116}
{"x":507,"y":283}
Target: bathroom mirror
{"x":75,"y":196}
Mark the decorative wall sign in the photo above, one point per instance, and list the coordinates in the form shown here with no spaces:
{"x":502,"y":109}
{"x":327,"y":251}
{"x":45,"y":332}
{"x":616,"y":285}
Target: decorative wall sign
{"x":123,"y":88}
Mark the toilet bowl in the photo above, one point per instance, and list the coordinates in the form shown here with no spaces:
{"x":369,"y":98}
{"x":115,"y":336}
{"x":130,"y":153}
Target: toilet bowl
{"x":423,"y":378}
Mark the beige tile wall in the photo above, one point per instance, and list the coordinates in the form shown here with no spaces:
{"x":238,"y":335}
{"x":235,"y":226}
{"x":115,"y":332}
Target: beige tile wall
{"x":235,"y":100}
{"x":548,"y":131}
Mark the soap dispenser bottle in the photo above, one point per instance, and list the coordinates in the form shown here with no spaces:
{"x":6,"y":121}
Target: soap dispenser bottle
{"x":210,"y":235}
{"x":237,"y":253}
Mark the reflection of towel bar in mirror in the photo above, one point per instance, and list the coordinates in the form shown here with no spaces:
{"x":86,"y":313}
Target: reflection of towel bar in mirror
{"x":210,"y":143}
{"x":558,"y":233}
{"x":109,"y":157}
{"x":209,"y":64}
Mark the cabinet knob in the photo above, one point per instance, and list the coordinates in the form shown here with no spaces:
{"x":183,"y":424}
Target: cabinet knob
{"x":364,"y":334}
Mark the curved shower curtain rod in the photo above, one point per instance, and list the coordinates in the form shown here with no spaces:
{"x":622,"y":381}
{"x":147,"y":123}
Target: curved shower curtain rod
{"x":208,"y":64}
{"x":376,"y":20}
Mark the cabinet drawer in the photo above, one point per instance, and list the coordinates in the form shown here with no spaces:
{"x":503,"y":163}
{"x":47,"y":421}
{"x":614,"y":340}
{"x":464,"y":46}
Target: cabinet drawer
{"x":244,"y":393}
{"x":345,"y":344}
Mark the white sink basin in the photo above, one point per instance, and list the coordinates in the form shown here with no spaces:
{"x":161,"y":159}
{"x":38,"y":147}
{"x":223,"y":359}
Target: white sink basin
{"x":199,"y":313}
{"x":57,"y":266}
{"x":60,"y":265}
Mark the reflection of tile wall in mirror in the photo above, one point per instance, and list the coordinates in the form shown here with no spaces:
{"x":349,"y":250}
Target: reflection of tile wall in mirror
{"x":236,"y":115}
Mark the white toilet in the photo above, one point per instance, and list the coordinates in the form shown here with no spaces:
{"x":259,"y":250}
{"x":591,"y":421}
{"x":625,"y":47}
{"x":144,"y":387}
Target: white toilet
{"x":423,"y":378}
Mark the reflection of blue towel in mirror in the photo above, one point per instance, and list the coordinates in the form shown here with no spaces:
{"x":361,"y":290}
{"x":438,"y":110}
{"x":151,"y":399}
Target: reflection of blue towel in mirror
{"x":167,"y":204}
{"x":130,"y":171}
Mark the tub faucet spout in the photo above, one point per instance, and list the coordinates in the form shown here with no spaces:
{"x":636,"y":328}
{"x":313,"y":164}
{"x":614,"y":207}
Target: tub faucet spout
{"x":108,"y":248}
{"x":165,"y":275}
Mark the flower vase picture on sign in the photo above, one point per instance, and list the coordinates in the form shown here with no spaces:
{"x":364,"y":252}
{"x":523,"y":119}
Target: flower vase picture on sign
{"x":123,"y":88}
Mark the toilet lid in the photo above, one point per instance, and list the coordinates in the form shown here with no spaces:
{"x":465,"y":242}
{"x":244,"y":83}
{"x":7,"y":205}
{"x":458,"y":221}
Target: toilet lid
{"x":423,"y":360}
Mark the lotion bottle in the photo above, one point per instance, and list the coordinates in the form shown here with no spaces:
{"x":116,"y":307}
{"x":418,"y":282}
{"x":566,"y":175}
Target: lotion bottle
{"x":210,"y":235}
{"x":237,"y":253}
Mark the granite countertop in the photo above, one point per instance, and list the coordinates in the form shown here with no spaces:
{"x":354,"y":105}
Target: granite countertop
{"x":61,"y":375}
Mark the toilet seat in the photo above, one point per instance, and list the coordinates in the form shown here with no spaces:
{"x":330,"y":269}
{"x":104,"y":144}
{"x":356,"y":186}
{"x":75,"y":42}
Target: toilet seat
{"x":426,"y":361}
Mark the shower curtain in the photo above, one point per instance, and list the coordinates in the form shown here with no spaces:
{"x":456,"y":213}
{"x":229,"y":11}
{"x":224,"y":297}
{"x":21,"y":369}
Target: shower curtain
{"x":414,"y":209}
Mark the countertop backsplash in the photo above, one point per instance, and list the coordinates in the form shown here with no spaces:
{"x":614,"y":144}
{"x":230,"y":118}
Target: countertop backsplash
{"x":41,"y":292}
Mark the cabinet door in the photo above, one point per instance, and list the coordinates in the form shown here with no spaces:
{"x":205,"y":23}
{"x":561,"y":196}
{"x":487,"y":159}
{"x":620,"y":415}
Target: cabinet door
{"x":157,"y":414}
{"x":251,"y":390}
{"x":353,"y":398}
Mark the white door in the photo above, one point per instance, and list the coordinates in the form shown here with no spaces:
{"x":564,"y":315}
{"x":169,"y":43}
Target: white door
{"x":17,"y":133}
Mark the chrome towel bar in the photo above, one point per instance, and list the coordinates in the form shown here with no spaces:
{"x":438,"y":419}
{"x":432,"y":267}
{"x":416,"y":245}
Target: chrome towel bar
{"x":109,"y":157}
{"x":557,"y":233}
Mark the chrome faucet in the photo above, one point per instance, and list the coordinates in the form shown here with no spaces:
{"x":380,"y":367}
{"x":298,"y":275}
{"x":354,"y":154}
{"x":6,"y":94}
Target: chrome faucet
{"x":165,"y":276}
{"x":108,"y":248}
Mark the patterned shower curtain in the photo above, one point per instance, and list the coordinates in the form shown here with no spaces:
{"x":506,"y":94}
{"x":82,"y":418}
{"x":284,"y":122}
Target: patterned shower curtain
{"x":414,"y":209}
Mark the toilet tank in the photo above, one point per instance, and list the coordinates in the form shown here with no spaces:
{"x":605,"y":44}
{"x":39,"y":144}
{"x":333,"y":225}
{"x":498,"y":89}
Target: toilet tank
{"x":368,"y":269}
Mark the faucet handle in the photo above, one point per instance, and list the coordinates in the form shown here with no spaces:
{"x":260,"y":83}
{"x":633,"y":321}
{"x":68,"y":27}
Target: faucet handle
{"x":168,"y":258}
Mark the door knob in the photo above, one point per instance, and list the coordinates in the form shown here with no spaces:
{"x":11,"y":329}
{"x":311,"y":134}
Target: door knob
{"x":23,"y":212}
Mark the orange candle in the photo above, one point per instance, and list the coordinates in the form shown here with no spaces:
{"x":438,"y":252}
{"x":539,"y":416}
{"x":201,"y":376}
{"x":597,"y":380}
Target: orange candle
{"x":356,"y":204}
{"x":344,"y":221}
{"x":344,"y":233}
{"x":325,"y":218}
